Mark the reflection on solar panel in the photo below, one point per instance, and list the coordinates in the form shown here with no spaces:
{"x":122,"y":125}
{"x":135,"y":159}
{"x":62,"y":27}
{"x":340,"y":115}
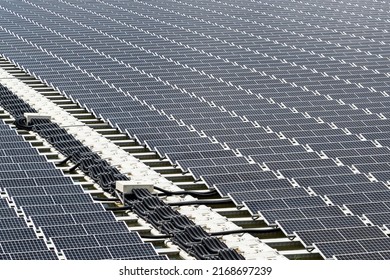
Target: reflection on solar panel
{"x":307,"y":101}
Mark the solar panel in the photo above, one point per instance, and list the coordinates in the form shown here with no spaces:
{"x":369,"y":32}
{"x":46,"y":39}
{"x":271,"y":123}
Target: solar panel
{"x":368,"y":187}
{"x":5,"y":257}
{"x":70,"y":189}
{"x":42,"y":210}
{"x":52,"y":181}
{"x":12,"y":223}
{"x":362,"y":256}
{"x":93,"y":217}
{"x":290,"y":226}
{"x":212,"y":180}
{"x":303,"y":202}
{"x":32,"y":191}
{"x":21,"y":246}
{"x":341,"y":222}
{"x":381,"y":175}
{"x":322,"y":235}
{"x":270,"y":216}
{"x":226,"y":188}
{"x":72,"y":242}
{"x":7,"y":213}
{"x":367,"y":208}
{"x":72,"y":198}
{"x":354,"y":160}
{"x":350,"y":179}
{"x":229,"y":160}
{"x":82,"y":208}
{"x":131,"y":251}
{"x":118,"y":239}
{"x":17,"y":234}
{"x":327,"y":250}
{"x":317,"y":163}
{"x":331,"y":189}
{"x":97,"y":253}
{"x":17,"y":183}
{"x":367,"y":168}
{"x":324,"y":211}
{"x":333,"y":170}
{"x":376,"y":245}
{"x":297,"y":202}
{"x":107,"y":227}
{"x":36,"y":166}
{"x":63,"y":230}
{"x":361,"y":233}
{"x":53,"y":220}
{"x":314,"y":181}
{"x":268,"y":158}
{"x":207,"y":170}
{"x":385,"y":255}
{"x":286,"y":167}
{"x":238,"y":198}
{"x":340,"y":199}
{"x":3,"y":204}
{"x":270,"y":204}
{"x":378,"y":196}
{"x":379,"y":218}
{"x":288,"y":193}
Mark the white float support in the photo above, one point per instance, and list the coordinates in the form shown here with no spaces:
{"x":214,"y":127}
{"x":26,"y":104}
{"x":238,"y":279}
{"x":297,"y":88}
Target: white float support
{"x":36,"y":116}
{"x":127,"y":187}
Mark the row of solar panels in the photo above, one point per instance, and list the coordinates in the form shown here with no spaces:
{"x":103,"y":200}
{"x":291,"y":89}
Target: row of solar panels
{"x":67,"y":217}
{"x":192,"y":148}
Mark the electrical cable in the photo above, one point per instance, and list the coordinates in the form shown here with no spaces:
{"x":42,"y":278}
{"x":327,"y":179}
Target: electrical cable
{"x":220,"y":233}
{"x":250,"y":230}
{"x":156,"y":236}
{"x":21,"y":123}
{"x":74,"y":167}
{"x":106,"y":199}
{"x":193,"y":193}
{"x":200,"y":202}
{"x":65,"y":160}
{"x":122,"y":208}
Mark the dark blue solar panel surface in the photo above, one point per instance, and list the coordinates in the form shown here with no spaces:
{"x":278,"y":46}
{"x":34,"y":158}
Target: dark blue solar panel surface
{"x":275,"y":85}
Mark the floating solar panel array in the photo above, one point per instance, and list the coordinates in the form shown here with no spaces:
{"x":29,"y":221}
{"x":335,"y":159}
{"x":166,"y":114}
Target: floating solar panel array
{"x":184,"y":232}
{"x":41,"y":206}
{"x":287,"y":101}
